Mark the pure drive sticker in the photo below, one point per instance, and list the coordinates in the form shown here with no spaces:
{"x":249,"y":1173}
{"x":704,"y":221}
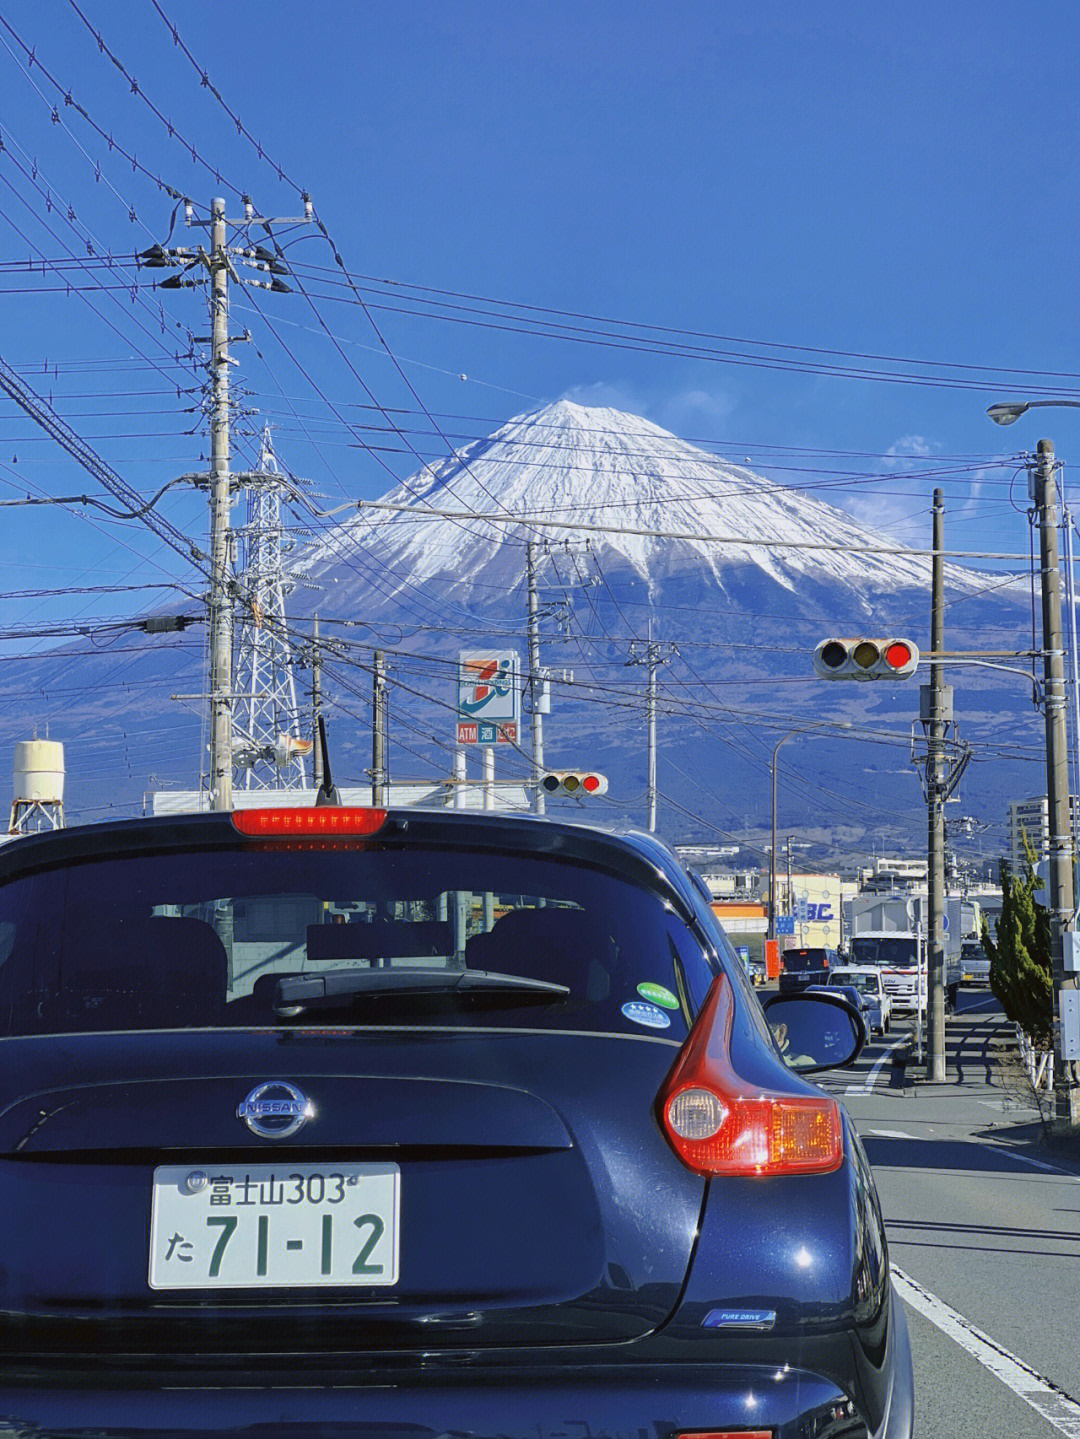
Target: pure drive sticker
{"x":658,"y":995}
{"x":647,"y":1014}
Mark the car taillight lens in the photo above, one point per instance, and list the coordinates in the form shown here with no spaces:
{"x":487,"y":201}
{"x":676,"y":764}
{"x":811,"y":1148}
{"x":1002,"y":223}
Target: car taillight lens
{"x":719,"y":1125}
{"x":315,"y":823}
{"x":728,"y":1434}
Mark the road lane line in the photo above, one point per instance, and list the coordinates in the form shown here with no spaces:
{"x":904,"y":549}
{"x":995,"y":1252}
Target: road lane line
{"x":875,"y":1070}
{"x":1055,"y":1406}
{"x":1037,"y":1163}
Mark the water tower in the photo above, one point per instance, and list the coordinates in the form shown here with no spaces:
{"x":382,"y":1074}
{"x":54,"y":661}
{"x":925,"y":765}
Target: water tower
{"x":37,"y":786}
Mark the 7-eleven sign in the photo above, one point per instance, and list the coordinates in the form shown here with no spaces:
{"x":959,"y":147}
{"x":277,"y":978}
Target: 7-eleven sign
{"x":489,"y":696}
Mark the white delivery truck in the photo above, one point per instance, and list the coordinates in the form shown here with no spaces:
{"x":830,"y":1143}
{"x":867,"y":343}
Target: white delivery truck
{"x":884,"y":930}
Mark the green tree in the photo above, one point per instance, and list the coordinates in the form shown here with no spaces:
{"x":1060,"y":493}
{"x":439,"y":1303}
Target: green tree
{"x":1021,"y":975}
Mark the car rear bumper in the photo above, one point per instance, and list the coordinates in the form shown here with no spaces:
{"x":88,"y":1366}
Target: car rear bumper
{"x":618,"y":1401}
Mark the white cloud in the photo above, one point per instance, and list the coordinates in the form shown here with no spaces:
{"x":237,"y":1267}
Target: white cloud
{"x":902,"y":454}
{"x":693,"y":412}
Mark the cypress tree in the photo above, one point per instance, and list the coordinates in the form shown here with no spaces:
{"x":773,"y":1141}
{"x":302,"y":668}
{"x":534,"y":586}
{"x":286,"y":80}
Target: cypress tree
{"x":1021,"y":975}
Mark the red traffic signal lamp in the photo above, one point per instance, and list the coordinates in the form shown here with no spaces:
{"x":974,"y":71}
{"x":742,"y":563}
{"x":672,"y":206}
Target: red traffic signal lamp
{"x":866,"y":659}
{"x":573,"y":781}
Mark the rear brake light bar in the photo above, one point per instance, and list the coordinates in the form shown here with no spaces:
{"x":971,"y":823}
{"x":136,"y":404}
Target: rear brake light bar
{"x":728,"y":1434}
{"x":719,"y":1125}
{"x":317,"y":822}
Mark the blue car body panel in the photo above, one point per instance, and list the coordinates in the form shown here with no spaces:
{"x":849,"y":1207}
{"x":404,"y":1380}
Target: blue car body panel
{"x":563,"y":1274}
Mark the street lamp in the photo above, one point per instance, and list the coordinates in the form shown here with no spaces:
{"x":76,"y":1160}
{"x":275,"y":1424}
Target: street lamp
{"x":1059,"y":817}
{"x":838,"y":724}
{"x":1006,"y":411}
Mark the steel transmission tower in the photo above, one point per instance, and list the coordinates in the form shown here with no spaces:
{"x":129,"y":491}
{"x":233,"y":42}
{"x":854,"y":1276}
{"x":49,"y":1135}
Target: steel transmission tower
{"x":267,"y":743}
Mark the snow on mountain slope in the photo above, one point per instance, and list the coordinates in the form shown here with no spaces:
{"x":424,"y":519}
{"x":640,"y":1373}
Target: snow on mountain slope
{"x":601,"y":467}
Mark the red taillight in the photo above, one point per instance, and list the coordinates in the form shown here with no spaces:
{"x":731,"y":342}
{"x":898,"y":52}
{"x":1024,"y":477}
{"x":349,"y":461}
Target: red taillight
{"x":717,"y":1124}
{"x":727,"y":1434}
{"x":316,"y":823}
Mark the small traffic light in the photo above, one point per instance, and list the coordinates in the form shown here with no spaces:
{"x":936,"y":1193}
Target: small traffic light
{"x":866,"y":659}
{"x":573,"y":781}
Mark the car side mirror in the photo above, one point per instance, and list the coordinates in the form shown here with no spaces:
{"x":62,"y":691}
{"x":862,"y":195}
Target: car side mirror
{"x":815,"y":1031}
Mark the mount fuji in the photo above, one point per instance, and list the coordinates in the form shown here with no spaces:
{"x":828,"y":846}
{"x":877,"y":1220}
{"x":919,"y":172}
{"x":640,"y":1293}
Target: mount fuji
{"x":638,"y":533}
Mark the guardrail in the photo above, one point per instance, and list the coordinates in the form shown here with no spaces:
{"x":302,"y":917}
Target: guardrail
{"x":1039,"y":1063}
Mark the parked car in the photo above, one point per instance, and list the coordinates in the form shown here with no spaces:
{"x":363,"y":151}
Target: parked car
{"x":874,"y":997}
{"x":364,"y":1122}
{"x":804,"y":966}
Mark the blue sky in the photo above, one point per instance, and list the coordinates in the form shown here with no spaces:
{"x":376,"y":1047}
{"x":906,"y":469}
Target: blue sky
{"x":879,"y":180}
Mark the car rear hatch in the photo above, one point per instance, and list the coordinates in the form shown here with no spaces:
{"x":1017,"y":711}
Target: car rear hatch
{"x":323,"y":1182}
{"x":421,"y":1196}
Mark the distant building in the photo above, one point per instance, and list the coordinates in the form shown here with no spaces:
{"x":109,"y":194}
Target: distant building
{"x":1029,"y":816}
{"x":891,"y":872}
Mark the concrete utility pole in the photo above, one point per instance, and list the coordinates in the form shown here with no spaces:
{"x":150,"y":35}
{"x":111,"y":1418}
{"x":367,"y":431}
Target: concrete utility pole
{"x":221,"y":617}
{"x":936,"y":714}
{"x":654,"y":655}
{"x":536,"y":682}
{"x":772,"y":836}
{"x":379,"y":777}
{"x":651,"y":716}
{"x":218,"y":262}
{"x":1059,"y":819}
{"x":316,"y":701}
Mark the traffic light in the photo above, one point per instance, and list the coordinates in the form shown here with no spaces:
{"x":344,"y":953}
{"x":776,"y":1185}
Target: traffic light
{"x":865,"y":659}
{"x":573,"y":781}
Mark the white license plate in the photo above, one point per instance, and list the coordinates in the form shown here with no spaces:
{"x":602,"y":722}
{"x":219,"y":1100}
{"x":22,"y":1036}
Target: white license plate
{"x":254,"y":1226}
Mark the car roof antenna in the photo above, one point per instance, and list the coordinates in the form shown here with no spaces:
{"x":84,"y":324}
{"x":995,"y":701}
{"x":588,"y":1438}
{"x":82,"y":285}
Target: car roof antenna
{"x":328,"y":790}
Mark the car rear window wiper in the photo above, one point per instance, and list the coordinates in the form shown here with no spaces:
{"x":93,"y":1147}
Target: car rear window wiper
{"x":304,"y":989}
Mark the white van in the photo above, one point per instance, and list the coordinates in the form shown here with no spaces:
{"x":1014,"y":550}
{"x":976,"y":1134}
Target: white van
{"x":867,"y":980}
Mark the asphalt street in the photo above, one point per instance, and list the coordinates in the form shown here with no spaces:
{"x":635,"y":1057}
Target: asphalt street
{"x":983,"y":1219}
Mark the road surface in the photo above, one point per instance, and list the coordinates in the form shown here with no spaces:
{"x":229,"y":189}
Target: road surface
{"x":983,"y":1220}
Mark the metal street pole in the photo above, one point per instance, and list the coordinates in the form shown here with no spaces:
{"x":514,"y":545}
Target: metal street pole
{"x":1059,"y":819}
{"x":536,"y":718}
{"x":221,"y":620}
{"x":936,"y":713}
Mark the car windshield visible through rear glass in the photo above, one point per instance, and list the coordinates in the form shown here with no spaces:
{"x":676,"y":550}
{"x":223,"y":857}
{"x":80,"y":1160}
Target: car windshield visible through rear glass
{"x":864,"y":983}
{"x":196,"y":940}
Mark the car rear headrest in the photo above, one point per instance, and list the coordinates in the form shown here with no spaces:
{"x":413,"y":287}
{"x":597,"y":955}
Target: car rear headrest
{"x":558,"y":944}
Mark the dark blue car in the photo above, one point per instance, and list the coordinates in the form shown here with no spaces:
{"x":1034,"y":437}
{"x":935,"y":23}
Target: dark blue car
{"x":342,"y":1122}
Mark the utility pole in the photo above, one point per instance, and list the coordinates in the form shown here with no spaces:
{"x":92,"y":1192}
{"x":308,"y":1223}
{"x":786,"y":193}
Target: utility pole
{"x":221,"y":618}
{"x":653,"y":654}
{"x":218,"y":262}
{"x":379,"y":775}
{"x":316,"y":702}
{"x":1059,"y":818}
{"x":650,"y":711}
{"x":936,"y":714}
{"x":536,"y":682}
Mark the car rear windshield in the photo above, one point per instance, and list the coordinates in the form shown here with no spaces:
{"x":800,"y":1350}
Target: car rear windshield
{"x":211,"y":939}
{"x":799,"y":959}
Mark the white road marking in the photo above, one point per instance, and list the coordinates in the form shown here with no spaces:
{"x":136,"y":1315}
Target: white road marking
{"x":891,"y":1133}
{"x":1055,"y":1406}
{"x":875,"y":1070}
{"x":1039,"y":1164}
